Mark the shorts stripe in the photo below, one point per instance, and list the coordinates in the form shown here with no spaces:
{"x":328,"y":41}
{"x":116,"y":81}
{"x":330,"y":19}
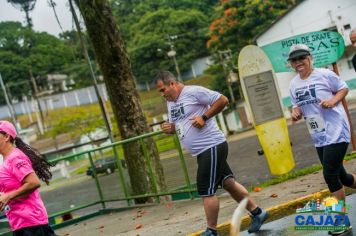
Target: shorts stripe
{"x":212,"y":177}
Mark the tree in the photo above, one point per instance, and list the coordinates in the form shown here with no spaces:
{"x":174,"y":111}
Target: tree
{"x":116,"y":68}
{"x":48,"y":55}
{"x":146,"y":26}
{"x":237,"y":22}
{"x":26,"y":6}
{"x":155,"y":32}
{"x":78,"y":71}
{"x":234,"y":26}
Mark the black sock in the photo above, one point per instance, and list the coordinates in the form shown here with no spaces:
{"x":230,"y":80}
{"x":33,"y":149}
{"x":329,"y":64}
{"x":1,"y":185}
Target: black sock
{"x":257,"y":211}
{"x":214,"y":231}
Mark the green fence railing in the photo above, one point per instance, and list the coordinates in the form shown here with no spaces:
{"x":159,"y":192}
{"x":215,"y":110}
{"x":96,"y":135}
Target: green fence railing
{"x":101,"y":203}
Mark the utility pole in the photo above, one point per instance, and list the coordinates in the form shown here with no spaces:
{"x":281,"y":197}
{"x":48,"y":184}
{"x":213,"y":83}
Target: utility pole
{"x":41,"y":123}
{"x":11,"y":109}
{"x":224,"y":56}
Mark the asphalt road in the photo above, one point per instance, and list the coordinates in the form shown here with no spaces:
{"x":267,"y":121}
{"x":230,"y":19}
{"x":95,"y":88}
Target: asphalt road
{"x":285,"y":226}
{"x":248,"y":166}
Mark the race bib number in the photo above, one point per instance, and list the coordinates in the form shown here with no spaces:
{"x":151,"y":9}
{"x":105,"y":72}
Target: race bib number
{"x":180,"y":130}
{"x":315,"y":124}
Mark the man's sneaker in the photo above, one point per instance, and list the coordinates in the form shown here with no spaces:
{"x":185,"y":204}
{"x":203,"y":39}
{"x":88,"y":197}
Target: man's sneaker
{"x":257,"y":221}
{"x":208,"y":233}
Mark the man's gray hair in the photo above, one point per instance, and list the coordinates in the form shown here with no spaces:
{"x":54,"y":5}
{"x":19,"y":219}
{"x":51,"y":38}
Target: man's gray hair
{"x":166,"y":77}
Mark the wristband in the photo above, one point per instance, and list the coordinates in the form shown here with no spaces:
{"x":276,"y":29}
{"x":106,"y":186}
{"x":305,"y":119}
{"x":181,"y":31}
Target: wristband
{"x":205,"y":117}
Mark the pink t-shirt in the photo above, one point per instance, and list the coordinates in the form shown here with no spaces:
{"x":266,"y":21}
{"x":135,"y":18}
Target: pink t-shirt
{"x":28,"y":210}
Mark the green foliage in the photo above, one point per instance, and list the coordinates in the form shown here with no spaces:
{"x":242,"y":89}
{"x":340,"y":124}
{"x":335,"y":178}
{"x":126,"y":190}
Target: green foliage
{"x":237,"y":22}
{"x":147,"y":25}
{"x":153,"y":34}
{"x":129,"y":12}
{"x":22,"y":49}
{"x":234,"y":25}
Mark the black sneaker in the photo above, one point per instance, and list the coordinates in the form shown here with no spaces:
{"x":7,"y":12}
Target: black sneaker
{"x":208,"y":232}
{"x":257,"y":221}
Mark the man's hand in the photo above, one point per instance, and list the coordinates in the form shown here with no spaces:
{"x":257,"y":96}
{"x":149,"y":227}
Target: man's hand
{"x":296,"y":114}
{"x":168,"y":128}
{"x":197,"y":122}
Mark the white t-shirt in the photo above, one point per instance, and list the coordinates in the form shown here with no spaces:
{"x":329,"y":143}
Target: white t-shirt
{"x":326,"y":126}
{"x":195,"y":101}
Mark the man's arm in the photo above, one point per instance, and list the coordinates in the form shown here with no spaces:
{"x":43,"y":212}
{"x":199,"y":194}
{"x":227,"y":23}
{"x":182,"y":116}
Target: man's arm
{"x":215,"y":108}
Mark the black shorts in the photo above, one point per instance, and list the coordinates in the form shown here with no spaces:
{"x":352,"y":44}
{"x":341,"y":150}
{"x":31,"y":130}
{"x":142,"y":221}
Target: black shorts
{"x":38,"y":230}
{"x":212,"y":169}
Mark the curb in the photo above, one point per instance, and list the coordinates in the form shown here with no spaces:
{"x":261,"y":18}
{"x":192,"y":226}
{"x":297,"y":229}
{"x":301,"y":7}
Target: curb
{"x":275,"y":213}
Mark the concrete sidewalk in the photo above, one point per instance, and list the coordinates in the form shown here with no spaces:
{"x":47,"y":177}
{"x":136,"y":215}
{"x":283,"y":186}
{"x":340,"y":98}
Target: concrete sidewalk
{"x":187,"y":217}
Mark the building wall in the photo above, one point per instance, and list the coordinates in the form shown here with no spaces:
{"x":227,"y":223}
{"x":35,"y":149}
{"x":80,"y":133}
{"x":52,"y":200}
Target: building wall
{"x":315,"y":15}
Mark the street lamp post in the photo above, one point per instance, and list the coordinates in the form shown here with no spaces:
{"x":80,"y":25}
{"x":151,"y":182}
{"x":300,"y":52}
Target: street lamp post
{"x":227,"y":56}
{"x":172,"y":54}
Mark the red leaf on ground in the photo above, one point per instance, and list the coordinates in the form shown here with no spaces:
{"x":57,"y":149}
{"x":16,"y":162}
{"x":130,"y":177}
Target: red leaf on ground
{"x":257,"y":189}
{"x":101,"y":227}
{"x":138,"y":226}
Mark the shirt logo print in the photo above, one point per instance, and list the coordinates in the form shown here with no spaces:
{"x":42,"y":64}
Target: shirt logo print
{"x":177,"y":112}
{"x":306,"y":95}
{"x":20,"y":164}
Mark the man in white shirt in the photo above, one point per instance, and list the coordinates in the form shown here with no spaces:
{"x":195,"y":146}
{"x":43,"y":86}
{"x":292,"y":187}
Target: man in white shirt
{"x":190,"y":111}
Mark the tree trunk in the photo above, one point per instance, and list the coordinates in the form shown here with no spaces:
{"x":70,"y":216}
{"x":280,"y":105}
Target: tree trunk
{"x":116,"y":68}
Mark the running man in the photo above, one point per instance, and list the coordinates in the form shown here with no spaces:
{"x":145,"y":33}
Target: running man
{"x":191,"y":110}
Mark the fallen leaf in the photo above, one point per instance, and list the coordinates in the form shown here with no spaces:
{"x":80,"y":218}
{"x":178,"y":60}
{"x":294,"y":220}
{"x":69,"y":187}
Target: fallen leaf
{"x":274,"y":195}
{"x":101,"y":227}
{"x":138,"y":226}
{"x":257,"y":189}
{"x":169,"y":205}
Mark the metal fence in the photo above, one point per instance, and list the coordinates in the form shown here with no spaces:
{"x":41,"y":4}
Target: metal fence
{"x":81,"y":196}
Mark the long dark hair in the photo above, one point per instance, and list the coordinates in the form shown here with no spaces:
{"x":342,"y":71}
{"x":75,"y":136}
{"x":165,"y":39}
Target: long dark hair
{"x":39,"y":162}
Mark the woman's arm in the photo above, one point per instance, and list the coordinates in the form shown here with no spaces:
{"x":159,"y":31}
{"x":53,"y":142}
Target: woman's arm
{"x":334,"y":100}
{"x":29,"y":184}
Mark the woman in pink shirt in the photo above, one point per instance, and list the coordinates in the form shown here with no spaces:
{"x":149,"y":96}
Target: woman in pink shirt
{"x":20,"y":175}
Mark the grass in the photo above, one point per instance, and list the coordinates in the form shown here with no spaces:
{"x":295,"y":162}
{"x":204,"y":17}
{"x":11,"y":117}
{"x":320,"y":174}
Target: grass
{"x":297,"y":173}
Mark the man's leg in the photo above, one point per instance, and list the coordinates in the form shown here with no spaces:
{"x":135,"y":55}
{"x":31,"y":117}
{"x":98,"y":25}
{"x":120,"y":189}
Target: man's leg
{"x":207,"y":184}
{"x":211,"y":207}
{"x":238,"y":192}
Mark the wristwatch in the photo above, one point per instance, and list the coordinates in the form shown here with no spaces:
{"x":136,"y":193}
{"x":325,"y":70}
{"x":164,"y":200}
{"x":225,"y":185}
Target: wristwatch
{"x":205,"y":117}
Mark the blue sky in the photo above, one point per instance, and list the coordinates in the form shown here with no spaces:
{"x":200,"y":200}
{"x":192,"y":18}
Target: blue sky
{"x":42,"y":16}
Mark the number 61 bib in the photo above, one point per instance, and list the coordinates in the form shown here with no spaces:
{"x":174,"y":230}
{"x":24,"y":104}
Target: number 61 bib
{"x":315,"y":124}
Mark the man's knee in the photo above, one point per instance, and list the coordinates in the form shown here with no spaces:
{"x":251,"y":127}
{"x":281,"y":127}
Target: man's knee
{"x":230,"y":185}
